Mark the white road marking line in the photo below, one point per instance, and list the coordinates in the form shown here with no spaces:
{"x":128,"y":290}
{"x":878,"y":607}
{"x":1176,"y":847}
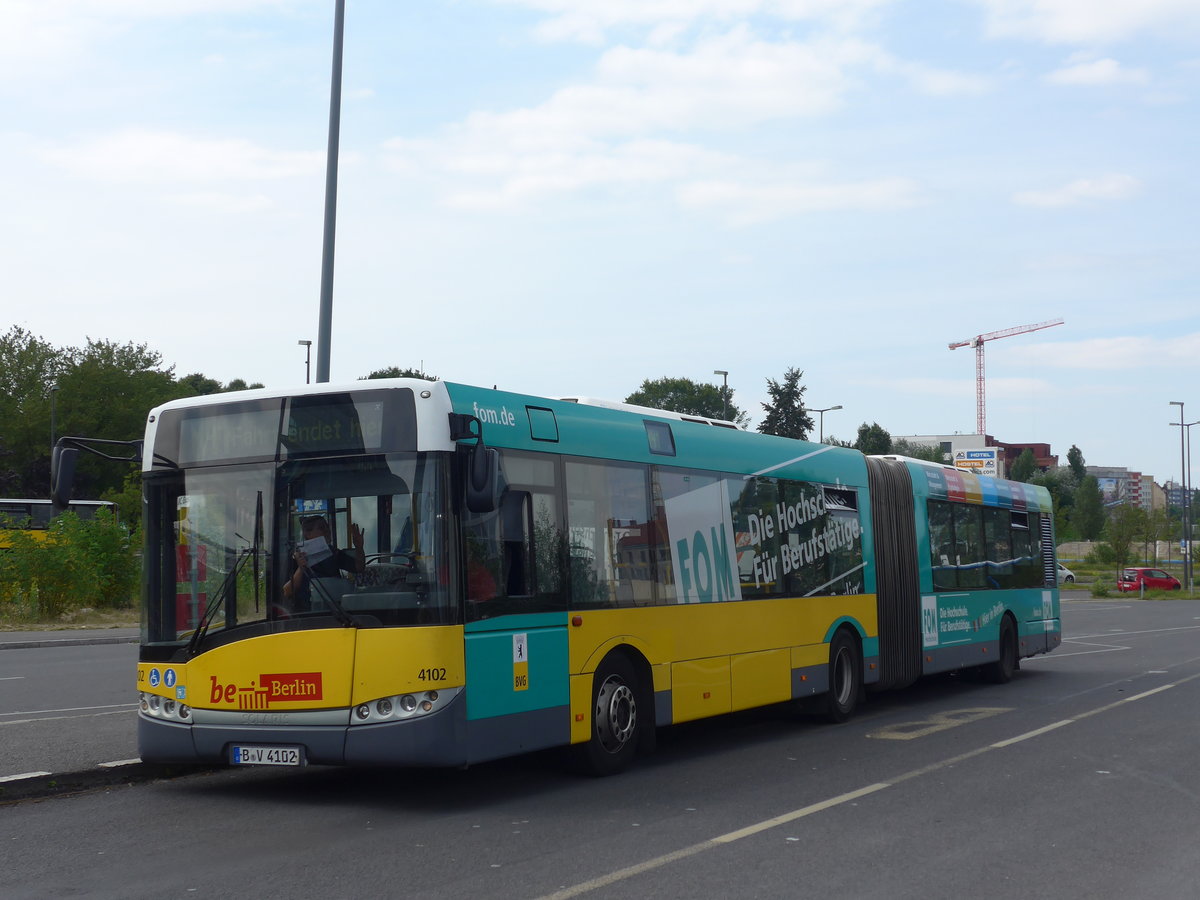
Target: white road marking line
{"x":585,"y":887}
{"x":67,"y":709}
{"x":115,"y":712}
{"x":1119,"y":633}
{"x":22,"y":775}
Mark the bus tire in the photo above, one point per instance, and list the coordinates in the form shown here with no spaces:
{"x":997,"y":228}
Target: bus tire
{"x":617,"y":719}
{"x":1001,"y":671}
{"x":845,"y":677}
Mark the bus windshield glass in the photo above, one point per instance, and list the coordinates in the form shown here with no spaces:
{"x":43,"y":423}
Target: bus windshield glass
{"x":360,"y":539}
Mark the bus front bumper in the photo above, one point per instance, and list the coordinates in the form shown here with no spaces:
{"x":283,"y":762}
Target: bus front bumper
{"x":435,"y":740}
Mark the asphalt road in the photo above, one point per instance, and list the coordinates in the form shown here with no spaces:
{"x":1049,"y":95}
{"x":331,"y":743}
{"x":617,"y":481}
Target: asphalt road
{"x":64,"y":707}
{"x":1078,"y":779}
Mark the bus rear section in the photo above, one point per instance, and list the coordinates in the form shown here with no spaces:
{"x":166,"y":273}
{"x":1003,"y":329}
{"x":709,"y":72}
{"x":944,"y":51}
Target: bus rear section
{"x":966,"y":571}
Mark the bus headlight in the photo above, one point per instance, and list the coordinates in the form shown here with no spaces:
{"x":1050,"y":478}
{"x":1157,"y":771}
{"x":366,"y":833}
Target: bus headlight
{"x":164,"y":708}
{"x":403,"y":706}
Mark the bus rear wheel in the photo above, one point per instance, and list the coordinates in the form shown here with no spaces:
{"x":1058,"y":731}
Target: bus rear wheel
{"x":1001,"y":671}
{"x":616,"y":724}
{"x":845,"y":678}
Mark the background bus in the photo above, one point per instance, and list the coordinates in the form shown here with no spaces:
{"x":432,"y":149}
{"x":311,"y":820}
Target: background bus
{"x":543,"y":573}
{"x":32,"y":517}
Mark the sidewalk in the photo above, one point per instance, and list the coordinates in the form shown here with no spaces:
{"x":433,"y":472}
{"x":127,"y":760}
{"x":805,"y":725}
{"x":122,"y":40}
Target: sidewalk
{"x":68,"y":637}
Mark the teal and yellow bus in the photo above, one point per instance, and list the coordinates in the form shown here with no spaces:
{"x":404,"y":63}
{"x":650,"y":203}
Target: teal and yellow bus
{"x":406,"y":572}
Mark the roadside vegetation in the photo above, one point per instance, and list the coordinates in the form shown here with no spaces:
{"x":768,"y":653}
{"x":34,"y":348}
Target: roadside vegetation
{"x":75,"y":573}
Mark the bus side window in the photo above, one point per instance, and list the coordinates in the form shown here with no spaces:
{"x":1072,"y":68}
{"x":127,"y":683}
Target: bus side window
{"x":942,"y":554}
{"x":611,"y":535}
{"x":512,"y":553}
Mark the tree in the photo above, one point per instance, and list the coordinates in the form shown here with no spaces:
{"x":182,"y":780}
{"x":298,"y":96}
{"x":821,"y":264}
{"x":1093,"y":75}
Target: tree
{"x":1088,"y":517}
{"x":1125,"y":523}
{"x":397,"y":372}
{"x":198,"y":385}
{"x":873,"y":440}
{"x":1061,"y":485}
{"x":128,"y":499}
{"x":106,"y":390}
{"x":785,"y":414}
{"x":682,"y":395}
{"x":927,"y":452}
{"x":1157,"y":527}
{"x":29,"y":366}
{"x":1075,"y":461}
{"x":1024,"y":468}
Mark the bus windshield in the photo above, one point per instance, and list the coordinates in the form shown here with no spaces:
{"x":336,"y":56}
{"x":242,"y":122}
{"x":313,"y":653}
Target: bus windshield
{"x":359,"y":538}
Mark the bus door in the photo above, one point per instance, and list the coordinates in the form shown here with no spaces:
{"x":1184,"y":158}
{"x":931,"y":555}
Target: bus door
{"x":516,"y":623}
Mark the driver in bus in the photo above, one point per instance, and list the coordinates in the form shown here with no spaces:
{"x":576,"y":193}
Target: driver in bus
{"x":298,"y":587}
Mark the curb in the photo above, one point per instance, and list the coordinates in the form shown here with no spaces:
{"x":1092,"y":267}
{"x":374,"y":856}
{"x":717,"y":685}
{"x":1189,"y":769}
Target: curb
{"x":43,"y":786}
{"x":66,"y":642}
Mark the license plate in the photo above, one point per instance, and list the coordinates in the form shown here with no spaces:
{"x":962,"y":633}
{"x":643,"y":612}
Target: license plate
{"x":265,"y":755}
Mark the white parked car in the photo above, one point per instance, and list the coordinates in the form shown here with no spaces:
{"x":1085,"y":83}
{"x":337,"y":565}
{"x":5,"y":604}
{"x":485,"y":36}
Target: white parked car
{"x":1065,"y":575}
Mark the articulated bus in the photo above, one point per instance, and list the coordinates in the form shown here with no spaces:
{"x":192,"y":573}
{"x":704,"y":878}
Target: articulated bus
{"x":405,"y":572}
{"x":32,"y":517}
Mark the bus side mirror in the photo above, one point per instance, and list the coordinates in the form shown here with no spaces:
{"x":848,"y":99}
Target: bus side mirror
{"x":482,"y":477}
{"x":62,"y":476}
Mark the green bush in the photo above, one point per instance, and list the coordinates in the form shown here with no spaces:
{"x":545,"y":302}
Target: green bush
{"x":1102,"y":587}
{"x":1101,"y":555}
{"x":75,"y":564}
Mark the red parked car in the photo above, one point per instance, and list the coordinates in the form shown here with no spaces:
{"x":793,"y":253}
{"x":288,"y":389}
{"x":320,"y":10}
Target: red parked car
{"x":1150,"y":579}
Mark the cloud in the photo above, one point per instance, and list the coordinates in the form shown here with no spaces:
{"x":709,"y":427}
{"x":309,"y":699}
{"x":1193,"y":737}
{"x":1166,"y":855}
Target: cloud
{"x":1106,"y":187}
{"x":589,"y":21}
{"x":147,"y":156}
{"x":1116,"y":353}
{"x":1089,"y":21}
{"x":48,"y":36}
{"x":747,"y":204}
{"x":646,"y":116}
{"x":1098,"y":72}
{"x":929,"y":387}
{"x":223,"y":203}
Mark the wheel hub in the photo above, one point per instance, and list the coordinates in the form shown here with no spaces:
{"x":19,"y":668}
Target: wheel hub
{"x":616,"y":714}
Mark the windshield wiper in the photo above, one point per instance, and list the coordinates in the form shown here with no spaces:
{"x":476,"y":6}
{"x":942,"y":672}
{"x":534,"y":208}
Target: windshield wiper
{"x":217,"y":604}
{"x":339,"y":611}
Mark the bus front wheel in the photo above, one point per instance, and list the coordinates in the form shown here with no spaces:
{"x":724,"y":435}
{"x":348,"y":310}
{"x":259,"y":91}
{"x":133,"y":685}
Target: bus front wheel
{"x":616,"y":725}
{"x":845,"y":678}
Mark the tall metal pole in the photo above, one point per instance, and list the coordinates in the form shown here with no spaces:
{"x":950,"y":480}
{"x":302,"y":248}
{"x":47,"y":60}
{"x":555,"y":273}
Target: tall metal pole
{"x":1186,"y":500}
{"x":821,"y":432}
{"x":53,"y":415}
{"x":1190,"y":574}
{"x":307,"y":345}
{"x":325,"y":319}
{"x":724,"y":393}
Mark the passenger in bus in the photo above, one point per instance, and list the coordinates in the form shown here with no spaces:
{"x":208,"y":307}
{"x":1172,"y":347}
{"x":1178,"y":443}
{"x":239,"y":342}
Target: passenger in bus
{"x":298,"y":587}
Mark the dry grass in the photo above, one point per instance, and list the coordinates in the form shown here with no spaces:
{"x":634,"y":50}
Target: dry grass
{"x":78,"y":619}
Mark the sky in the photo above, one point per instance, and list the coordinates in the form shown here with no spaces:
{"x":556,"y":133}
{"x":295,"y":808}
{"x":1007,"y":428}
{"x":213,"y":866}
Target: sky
{"x":567,"y":197}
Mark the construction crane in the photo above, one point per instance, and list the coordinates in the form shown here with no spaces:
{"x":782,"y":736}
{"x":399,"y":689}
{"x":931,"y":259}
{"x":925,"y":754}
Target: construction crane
{"x":977,"y":342}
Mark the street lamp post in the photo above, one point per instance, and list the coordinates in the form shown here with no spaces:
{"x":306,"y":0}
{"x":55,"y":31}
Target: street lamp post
{"x":724,"y":392}
{"x":53,"y":416}
{"x":307,"y":345}
{"x":1189,"y":569}
{"x":822,"y":419}
{"x":1186,"y":499}
{"x":325,"y":313}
